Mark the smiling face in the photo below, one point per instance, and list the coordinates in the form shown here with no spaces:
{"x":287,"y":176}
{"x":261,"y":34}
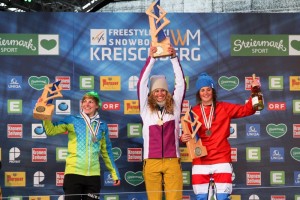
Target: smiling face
{"x":206,"y":95}
{"x":159,"y":95}
{"x":89,"y":105}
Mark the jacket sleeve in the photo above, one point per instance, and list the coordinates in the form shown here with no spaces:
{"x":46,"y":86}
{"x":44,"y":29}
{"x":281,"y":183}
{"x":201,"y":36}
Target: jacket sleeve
{"x":142,"y":86}
{"x":60,"y":127}
{"x":107,"y":155}
{"x":238,"y":111}
{"x":180,"y":84}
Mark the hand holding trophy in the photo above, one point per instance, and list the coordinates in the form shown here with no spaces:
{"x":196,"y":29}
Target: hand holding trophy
{"x":194,"y":145}
{"x":159,"y":40}
{"x":44,"y":108}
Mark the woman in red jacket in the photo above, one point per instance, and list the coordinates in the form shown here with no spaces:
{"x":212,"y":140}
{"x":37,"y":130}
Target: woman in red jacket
{"x":215,"y":117}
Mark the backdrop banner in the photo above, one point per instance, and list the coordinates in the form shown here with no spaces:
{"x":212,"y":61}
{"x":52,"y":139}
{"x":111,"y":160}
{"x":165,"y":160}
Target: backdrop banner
{"x":105,"y":52}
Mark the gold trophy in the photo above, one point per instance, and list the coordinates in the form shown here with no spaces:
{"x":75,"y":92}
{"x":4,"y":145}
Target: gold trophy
{"x":44,"y":108}
{"x":156,"y":14}
{"x":195,"y":147}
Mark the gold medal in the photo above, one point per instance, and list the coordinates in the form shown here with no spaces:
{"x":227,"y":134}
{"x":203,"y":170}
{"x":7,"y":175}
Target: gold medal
{"x":160,"y":122}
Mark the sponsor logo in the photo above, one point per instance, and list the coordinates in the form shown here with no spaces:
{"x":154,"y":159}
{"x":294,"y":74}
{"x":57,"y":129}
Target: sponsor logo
{"x":134,"y":154}
{"x":132,"y":83}
{"x":253,"y":154}
{"x":186,"y":177}
{"x":117,"y":152}
{"x":136,"y":196}
{"x":277,"y":197}
{"x":296,"y":106}
{"x":296,"y":130}
{"x":294,"y":83}
{"x":14,"y":106}
{"x":111,"y":197}
{"x":253,"y":178}
{"x":14,"y":82}
{"x":134,"y":178}
{"x":276,"y":130}
{"x":14,"y":130}
{"x":113,"y":130}
{"x":249,"y":80}
{"x":252,"y":130}
{"x":38,"y":177}
{"x":276,"y":83}
{"x":297,"y":177}
{"x":295,"y":153}
{"x":29,"y":44}
{"x":39,"y":197}
{"x":98,"y":37}
{"x":37,"y":131}
{"x":62,"y":107}
{"x":39,"y":155}
{"x":14,"y":154}
{"x":110,"y":83}
{"x":86,"y":82}
{"x":234,"y":154}
{"x":15,"y":179}
{"x":61,"y":154}
{"x":254,"y":197}
{"x":228,"y":83}
{"x":108,"y":180}
{"x":134,"y":130}
{"x":277,"y":106}
{"x":111,"y":106}
{"x":185,"y":106}
{"x":65,"y":82}
{"x":233,"y":131}
{"x":38,"y":83}
{"x":277,"y":177}
{"x":263,"y":45}
{"x":276,"y":154}
{"x":60,"y":178}
{"x":184,"y":154}
{"x":131,"y":107}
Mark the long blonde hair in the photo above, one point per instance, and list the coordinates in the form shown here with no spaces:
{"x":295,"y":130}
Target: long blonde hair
{"x":169,"y":105}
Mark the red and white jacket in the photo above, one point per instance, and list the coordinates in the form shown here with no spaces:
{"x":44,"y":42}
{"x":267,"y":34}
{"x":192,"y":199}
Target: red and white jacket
{"x":217,"y":145}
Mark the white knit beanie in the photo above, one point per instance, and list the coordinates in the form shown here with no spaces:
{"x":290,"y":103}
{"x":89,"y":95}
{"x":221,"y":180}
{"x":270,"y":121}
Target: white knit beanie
{"x":158,"y":81}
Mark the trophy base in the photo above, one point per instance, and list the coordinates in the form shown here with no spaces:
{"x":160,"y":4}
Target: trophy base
{"x":43,"y":112}
{"x":162,"y":48}
{"x":196,"y":149}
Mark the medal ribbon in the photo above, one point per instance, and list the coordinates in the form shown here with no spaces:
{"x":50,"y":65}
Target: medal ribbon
{"x":87,"y":122}
{"x":207,"y":123}
{"x":160,"y":114}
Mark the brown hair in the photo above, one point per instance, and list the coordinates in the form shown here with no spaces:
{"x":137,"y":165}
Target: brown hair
{"x":169,"y":105}
{"x":87,"y":96}
{"x":214,"y":93}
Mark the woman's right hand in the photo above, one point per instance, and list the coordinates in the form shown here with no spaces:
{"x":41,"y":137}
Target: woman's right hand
{"x":153,"y":50}
{"x":185,"y":137}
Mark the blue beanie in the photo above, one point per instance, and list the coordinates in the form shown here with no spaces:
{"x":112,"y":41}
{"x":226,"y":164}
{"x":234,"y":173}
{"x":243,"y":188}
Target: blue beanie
{"x":204,"y":80}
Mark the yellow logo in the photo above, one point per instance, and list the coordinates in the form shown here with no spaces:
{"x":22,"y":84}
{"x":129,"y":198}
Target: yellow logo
{"x":131,"y":107}
{"x":15,"y":179}
{"x":110,"y":83}
{"x":235,"y":197}
{"x":39,"y":197}
{"x":294,"y":83}
{"x":184,"y":155}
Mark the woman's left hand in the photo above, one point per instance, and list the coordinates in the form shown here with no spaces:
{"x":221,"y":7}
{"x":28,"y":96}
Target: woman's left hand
{"x":117,"y":182}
